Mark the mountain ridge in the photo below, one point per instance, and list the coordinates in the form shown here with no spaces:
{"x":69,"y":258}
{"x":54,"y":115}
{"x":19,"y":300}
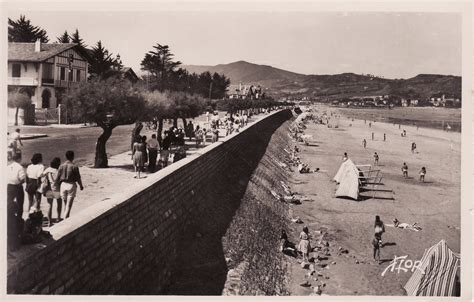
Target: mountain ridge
{"x":283,"y":82}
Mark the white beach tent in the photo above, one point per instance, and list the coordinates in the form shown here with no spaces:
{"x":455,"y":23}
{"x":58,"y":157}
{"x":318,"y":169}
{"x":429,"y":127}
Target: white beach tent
{"x":348,"y":179}
{"x":437,"y":273}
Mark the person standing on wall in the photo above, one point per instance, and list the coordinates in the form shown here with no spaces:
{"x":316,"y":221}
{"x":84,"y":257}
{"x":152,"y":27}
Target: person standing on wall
{"x":165,"y":152}
{"x":67,"y":179}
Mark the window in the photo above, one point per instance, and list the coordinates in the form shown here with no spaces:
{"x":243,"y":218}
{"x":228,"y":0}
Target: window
{"x":62,"y":74}
{"x":48,"y":76}
{"x":78,"y":75}
{"x":16,"y":70}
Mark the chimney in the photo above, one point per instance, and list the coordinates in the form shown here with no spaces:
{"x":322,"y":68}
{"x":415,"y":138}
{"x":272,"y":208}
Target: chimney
{"x":38,"y":45}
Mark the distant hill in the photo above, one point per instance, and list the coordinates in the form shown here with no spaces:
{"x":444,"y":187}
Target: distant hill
{"x":282,"y":82}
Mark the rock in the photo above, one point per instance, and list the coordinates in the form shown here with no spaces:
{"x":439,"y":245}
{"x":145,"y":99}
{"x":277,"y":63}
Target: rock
{"x":357,"y":261}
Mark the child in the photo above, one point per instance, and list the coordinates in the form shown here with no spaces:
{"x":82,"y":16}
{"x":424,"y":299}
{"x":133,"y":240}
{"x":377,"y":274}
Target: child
{"x":376,"y":159}
{"x":405,"y":170}
{"x":422,"y":174}
{"x":304,"y":246}
{"x":376,"y":249}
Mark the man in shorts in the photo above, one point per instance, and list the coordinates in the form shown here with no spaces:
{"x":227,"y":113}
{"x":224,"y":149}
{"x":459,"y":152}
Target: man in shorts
{"x":67,"y":179}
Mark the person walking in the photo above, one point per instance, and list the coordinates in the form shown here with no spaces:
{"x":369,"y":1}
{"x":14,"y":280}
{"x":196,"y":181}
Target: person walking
{"x":152,"y":146}
{"x":376,"y":249}
{"x":364,"y":143}
{"x":405,"y":170}
{"x":138,"y":156}
{"x":33,"y":181}
{"x":384,"y":137}
{"x":52,"y":191}
{"x":16,"y":176}
{"x":191,"y":129}
{"x":15,"y":139}
{"x":413,"y":147}
{"x":304,"y":246}
{"x":376,"y":159}
{"x":165,"y":149}
{"x":379,"y":229}
{"x":67,"y":180}
{"x":372,"y":136}
{"x":422,"y":174}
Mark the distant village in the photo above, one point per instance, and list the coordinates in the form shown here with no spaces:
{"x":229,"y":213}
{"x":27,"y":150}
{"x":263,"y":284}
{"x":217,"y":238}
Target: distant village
{"x":246,"y":92}
{"x":436,"y":100}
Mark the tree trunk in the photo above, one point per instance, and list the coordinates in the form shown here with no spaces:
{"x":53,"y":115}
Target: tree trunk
{"x":159,"y":130}
{"x":100,"y":151}
{"x":16,"y":116}
{"x":175,"y":122}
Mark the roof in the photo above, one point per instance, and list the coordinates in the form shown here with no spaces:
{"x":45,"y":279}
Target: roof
{"x":25,"y":52}
{"x":436,"y":275}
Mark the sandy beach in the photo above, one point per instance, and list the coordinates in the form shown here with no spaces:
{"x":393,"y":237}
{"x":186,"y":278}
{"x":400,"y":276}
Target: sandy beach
{"x":434,"y":205}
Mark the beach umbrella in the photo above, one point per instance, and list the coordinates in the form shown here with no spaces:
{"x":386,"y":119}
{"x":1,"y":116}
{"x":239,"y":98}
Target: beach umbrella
{"x":437,"y":273}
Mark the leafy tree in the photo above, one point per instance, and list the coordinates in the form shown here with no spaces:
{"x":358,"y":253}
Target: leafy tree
{"x":159,"y":62}
{"x":17,"y":99}
{"x":108,"y":103}
{"x":64,"y":38}
{"x":101,"y":62}
{"x":22,"y":30}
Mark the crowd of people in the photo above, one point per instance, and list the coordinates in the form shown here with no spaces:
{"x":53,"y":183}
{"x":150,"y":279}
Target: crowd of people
{"x":173,"y":148}
{"x":57,"y":183}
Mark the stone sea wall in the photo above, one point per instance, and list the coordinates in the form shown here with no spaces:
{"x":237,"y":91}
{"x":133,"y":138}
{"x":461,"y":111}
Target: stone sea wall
{"x":177,"y":232}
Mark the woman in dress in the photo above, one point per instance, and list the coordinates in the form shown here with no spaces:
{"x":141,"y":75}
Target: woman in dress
{"x":33,"y":181}
{"x":138,"y":156}
{"x":304,"y":245}
{"x":379,"y":229}
{"x":52,"y":191}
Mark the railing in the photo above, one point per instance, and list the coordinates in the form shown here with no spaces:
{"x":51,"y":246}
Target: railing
{"x":45,"y":116}
{"x":22,"y":81}
{"x":63,"y":83}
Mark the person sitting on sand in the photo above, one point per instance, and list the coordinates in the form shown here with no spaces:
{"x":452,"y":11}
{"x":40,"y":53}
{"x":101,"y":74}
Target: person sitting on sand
{"x":422,"y":174}
{"x":304,"y":246}
{"x":286,"y":246}
{"x":405,"y":170}
{"x":345,"y":157}
{"x":303,"y":168}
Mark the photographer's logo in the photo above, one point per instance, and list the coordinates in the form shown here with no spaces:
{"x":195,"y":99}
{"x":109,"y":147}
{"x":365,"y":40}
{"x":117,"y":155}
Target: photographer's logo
{"x":407,"y":265}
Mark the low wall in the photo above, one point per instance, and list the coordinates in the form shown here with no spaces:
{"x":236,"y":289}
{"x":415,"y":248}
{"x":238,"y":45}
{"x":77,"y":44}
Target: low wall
{"x":137,"y":241}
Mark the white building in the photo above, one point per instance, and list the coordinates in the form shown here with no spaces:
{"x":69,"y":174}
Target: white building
{"x":42,"y":70}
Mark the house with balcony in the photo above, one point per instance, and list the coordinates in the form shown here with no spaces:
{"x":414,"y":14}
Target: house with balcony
{"x":44,"y":70}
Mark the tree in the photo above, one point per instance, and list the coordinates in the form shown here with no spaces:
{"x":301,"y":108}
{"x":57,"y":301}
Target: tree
{"x":101,"y":62}
{"x":64,"y":38}
{"x":17,"y":99}
{"x":108,"y":103}
{"x":81,"y":46}
{"x":22,"y":30}
{"x":160,"y":64}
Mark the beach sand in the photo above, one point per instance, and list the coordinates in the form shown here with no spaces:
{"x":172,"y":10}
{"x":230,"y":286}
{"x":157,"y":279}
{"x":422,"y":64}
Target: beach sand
{"x":434,"y":205}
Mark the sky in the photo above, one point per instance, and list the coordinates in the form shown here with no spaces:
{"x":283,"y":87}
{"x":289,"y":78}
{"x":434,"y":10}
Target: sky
{"x":393,"y":45}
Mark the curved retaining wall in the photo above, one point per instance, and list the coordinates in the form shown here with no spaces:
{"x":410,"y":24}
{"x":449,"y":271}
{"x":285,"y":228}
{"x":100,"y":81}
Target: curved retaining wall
{"x":137,"y":242}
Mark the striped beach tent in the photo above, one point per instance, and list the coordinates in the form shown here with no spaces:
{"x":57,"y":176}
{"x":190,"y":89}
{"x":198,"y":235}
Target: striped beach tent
{"x":437,"y":273}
